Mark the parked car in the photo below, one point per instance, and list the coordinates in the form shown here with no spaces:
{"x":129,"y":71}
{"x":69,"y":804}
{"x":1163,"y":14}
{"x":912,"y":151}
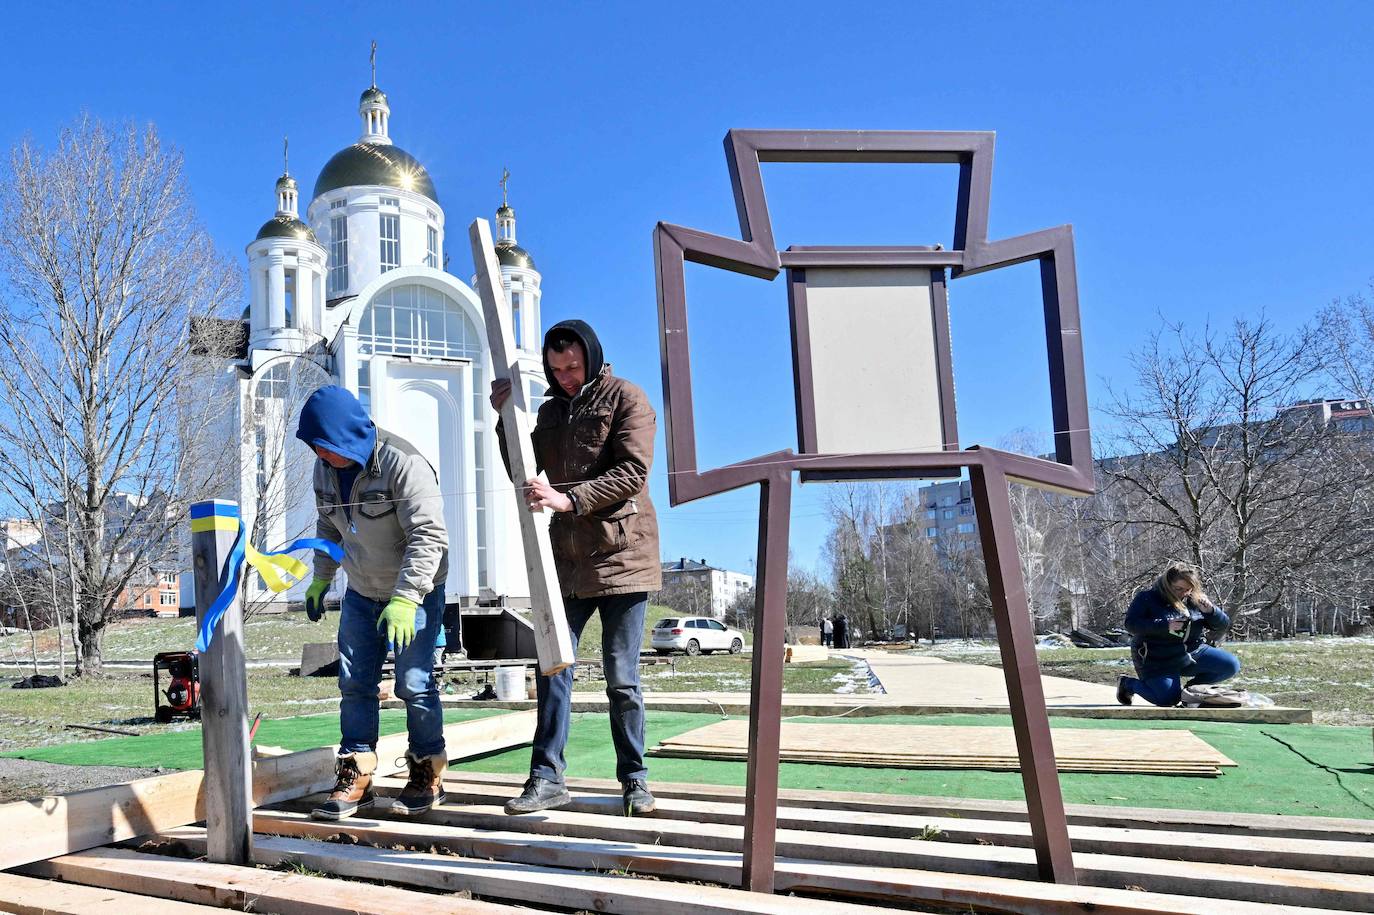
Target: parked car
{"x":695,"y":635}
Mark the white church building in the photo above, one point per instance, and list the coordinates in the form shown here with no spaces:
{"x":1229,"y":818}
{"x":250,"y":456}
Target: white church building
{"x":357,"y":293}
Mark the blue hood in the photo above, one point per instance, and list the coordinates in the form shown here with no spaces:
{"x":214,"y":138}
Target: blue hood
{"x":333,"y":419}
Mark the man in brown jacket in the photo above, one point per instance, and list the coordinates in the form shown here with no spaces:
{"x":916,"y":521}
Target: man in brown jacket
{"x":594,"y":440}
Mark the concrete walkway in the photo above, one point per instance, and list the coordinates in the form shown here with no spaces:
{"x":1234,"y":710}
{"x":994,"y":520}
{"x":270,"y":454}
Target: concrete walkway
{"x":923,"y":680}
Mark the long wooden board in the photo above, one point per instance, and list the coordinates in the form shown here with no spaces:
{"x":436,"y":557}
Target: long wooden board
{"x":60,"y":824}
{"x":552,"y":640}
{"x":540,"y":886}
{"x":877,"y":884}
{"x":35,"y":896}
{"x":1297,"y":827}
{"x":940,"y":746}
{"x":242,"y":889}
{"x":1355,"y":857}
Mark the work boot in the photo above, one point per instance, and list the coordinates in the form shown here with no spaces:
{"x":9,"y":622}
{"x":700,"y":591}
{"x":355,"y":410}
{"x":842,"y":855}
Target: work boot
{"x":425,"y":787}
{"x":1123,"y":692}
{"x":638,"y":800}
{"x":352,"y":787}
{"x":539,"y":794}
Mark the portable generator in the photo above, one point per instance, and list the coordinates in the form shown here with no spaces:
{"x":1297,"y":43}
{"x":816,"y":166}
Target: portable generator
{"x":181,"y":698}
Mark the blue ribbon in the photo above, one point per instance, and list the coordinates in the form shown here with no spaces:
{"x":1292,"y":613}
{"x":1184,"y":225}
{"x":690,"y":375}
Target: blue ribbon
{"x":233,"y":568}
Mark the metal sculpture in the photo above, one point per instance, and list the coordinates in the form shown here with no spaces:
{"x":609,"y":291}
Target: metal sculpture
{"x":991,"y":471}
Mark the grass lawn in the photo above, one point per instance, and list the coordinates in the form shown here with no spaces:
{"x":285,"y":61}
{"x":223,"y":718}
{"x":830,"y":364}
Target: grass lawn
{"x":1283,"y":769}
{"x":1332,"y":676}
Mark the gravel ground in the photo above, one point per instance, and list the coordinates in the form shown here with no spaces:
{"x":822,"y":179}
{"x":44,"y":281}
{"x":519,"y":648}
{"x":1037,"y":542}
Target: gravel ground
{"x":21,"y":779}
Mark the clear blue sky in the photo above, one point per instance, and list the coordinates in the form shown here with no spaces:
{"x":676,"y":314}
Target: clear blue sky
{"x":1213,"y":158}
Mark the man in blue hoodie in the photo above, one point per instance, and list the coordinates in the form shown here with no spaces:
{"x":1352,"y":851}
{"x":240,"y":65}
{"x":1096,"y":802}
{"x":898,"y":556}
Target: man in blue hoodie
{"x":380,"y":498}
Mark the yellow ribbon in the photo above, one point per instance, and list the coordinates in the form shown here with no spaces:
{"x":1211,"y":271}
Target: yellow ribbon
{"x":270,"y":567}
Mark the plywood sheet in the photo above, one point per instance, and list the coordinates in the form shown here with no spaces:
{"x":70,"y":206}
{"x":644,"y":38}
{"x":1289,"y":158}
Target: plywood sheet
{"x":940,"y":746}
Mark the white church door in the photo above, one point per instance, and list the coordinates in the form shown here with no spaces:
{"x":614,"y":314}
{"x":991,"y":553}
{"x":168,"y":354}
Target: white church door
{"x":422,"y":402}
{"x":421,"y":377}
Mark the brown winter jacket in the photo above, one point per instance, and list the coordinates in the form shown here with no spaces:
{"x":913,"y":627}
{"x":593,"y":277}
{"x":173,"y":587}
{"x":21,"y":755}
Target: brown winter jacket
{"x":598,"y":448}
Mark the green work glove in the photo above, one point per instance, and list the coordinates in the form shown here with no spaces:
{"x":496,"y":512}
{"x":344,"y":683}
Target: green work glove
{"x":314,"y":599}
{"x":399,"y":620}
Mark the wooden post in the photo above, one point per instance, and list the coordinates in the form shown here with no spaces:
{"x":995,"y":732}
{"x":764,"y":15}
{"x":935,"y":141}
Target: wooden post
{"x":223,"y":691}
{"x":552,"y":642}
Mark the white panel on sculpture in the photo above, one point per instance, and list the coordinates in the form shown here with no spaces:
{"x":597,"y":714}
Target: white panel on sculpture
{"x":873,"y":360}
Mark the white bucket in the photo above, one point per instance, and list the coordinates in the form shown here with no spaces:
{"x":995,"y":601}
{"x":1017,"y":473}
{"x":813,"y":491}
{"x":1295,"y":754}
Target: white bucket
{"x":510,"y":683}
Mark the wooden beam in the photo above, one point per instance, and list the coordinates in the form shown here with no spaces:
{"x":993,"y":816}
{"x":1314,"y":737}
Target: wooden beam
{"x":242,"y":889}
{"x":1356,"y":857}
{"x":60,"y":824}
{"x":215,"y":528}
{"x":1177,"y":873}
{"x":539,"y":886}
{"x":552,"y":641}
{"x":35,"y":896}
{"x":875,"y":884}
{"x":1206,"y":821}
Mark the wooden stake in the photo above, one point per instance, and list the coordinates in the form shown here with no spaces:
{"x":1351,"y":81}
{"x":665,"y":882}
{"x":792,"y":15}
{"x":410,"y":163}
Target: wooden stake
{"x":552,"y":641}
{"x":215,"y":527}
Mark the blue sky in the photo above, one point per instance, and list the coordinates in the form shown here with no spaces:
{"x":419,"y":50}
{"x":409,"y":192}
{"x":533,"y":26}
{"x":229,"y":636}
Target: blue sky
{"x":1213,"y":158}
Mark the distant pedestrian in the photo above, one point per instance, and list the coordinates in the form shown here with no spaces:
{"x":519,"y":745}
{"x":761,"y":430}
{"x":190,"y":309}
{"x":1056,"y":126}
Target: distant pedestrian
{"x":841,"y":631}
{"x":827,"y":633}
{"x":1168,"y":622}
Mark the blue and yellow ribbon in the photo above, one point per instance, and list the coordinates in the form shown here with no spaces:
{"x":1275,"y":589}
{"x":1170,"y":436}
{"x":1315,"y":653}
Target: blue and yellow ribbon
{"x":279,"y":570}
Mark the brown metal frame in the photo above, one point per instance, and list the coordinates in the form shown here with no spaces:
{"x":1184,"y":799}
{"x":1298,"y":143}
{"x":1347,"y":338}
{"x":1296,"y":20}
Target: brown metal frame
{"x":991,"y":471}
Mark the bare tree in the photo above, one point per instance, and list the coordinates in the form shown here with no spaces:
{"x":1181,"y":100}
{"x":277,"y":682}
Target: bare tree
{"x":1224,"y":464}
{"x":106,"y":263}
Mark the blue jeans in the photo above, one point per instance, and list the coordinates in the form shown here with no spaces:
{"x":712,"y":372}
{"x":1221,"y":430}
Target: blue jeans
{"x":1208,"y":665}
{"x":363,"y":648}
{"x":622,"y":636}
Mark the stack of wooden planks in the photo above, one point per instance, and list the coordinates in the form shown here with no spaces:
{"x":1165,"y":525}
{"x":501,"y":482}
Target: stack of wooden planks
{"x":1150,"y":752}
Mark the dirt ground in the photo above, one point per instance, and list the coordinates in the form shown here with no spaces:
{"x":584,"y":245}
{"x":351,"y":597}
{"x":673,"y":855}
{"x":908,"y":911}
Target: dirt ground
{"x":21,"y":779}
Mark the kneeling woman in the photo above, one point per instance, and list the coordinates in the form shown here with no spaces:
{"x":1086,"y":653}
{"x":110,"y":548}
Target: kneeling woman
{"x":1167,"y":623}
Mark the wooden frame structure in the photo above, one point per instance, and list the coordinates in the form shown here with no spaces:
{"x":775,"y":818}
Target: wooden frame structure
{"x":843,"y":853}
{"x":991,"y":471}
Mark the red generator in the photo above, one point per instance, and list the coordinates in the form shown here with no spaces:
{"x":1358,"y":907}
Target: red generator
{"x":181,"y":698}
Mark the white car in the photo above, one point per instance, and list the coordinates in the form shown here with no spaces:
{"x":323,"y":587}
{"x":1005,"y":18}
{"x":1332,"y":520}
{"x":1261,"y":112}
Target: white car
{"x":695,"y":635}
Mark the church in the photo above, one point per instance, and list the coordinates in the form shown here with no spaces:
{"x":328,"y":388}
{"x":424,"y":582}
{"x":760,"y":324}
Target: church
{"x":357,"y":293}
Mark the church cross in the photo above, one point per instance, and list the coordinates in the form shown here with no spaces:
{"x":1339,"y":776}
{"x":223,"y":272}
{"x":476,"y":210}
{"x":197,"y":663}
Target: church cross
{"x":505,"y":180}
{"x":374,"y":63}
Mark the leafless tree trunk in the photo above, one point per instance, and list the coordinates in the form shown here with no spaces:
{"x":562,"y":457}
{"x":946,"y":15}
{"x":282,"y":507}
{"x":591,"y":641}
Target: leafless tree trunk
{"x":106,"y":264}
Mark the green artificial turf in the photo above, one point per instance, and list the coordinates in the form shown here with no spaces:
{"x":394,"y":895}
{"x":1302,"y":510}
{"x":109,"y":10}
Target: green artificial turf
{"x":1283,"y":769}
{"x":182,"y":749}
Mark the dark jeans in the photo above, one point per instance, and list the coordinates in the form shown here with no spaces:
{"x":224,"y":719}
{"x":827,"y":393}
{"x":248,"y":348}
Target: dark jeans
{"x":1208,"y":665}
{"x":362,"y":649}
{"x":622,"y":636}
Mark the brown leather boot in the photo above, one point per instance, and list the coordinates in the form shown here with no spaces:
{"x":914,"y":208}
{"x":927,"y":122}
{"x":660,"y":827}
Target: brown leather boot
{"x":352,"y":788}
{"x":425,"y":787}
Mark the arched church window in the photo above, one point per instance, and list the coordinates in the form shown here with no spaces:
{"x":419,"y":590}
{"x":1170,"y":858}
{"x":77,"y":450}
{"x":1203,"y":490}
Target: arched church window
{"x":415,"y":320}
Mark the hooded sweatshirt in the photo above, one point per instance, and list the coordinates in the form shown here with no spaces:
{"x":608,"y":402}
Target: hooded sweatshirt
{"x":333,"y":419}
{"x":386,"y":509}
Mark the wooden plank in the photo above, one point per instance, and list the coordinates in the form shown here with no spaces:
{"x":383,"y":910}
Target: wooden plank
{"x":1355,"y":857}
{"x":553,"y":643}
{"x":875,"y":884}
{"x":228,"y":790}
{"x":947,"y":762}
{"x":243,"y":889}
{"x":35,"y":896}
{"x":1298,"y":827}
{"x":541,"y":886}
{"x":1242,"y":882}
{"x":60,"y":824}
